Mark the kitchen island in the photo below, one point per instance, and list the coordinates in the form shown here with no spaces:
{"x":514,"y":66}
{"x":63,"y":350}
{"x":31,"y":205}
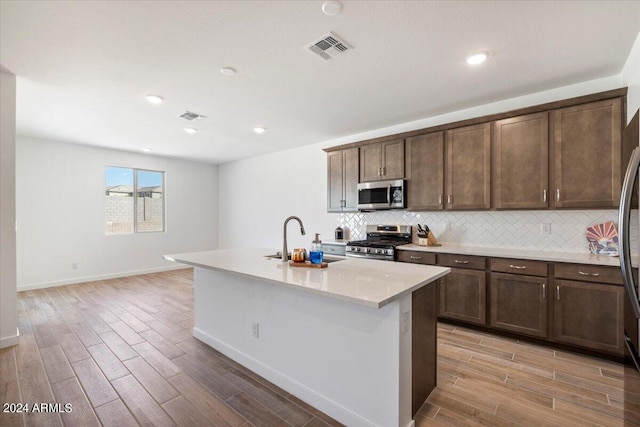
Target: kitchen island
{"x":356,"y":340}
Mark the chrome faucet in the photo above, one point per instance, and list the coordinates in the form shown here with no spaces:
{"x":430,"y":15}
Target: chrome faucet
{"x":285,"y":255}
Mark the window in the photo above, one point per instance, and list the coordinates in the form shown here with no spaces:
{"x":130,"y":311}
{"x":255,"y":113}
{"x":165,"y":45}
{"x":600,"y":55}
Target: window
{"x":134,"y":200}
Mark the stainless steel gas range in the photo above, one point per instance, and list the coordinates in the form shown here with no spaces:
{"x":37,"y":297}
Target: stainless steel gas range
{"x":381,"y":242}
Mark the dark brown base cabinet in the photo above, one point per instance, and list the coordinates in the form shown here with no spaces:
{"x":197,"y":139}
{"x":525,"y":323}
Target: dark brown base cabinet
{"x":589,"y":315}
{"x":463,"y":292}
{"x":519,"y":304}
{"x":577,"y":305}
{"x":463,"y":296}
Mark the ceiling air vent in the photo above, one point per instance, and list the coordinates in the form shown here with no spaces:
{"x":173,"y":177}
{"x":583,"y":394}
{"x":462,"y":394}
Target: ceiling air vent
{"x":328,"y":47}
{"x":188,"y":115}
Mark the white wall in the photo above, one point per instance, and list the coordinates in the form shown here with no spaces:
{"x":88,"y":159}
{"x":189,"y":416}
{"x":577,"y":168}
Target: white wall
{"x":8,"y":313}
{"x":257,"y":194}
{"x":61,"y":214}
{"x":631,"y":78}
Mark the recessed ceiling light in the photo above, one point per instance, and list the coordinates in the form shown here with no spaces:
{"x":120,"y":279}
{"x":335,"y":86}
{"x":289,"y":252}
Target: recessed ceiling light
{"x":228,"y":71}
{"x":331,"y":8}
{"x":154,"y":99}
{"x":190,"y":131}
{"x":259,"y":130}
{"x":147,"y":149}
{"x":476,"y":58}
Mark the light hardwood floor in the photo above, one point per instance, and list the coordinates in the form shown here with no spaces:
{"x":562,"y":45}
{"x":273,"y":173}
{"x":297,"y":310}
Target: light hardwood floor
{"x":121,"y":352}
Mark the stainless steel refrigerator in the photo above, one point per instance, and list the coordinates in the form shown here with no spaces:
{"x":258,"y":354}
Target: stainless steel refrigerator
{"x":632,"y":300}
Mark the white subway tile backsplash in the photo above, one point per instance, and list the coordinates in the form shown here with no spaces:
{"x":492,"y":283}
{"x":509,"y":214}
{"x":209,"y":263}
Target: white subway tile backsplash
{"x":505,"y":229}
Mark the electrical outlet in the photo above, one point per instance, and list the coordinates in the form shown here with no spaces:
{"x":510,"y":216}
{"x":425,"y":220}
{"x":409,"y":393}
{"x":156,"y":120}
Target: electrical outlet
{"x":545,"y":228}
{"x":447,"y":226}
{"x":255,"y":330}
{"x":405,"y":322}
{"x":75,"y":265}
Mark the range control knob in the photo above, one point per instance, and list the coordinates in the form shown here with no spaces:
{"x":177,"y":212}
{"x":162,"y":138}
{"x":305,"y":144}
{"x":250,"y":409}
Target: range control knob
{"x":367,"y":250}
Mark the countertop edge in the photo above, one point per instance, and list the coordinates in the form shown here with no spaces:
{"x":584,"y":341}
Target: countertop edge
{"x":514,"y":253}
{"x":336,"y":296}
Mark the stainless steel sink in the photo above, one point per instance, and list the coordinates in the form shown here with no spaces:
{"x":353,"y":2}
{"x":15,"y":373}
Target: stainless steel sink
{"x":327,"y":259}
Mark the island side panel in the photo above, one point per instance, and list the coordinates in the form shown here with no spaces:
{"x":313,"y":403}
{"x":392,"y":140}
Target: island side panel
{"x":424,"y":331}
{"x":343,"y":358}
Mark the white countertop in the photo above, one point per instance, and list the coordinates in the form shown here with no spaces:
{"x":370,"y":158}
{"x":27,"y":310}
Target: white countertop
{"x":571,"y":257}
{"x":372,"y":283}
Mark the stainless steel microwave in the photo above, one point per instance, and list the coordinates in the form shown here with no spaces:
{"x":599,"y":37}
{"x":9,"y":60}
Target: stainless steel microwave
{"x":382,"y":195}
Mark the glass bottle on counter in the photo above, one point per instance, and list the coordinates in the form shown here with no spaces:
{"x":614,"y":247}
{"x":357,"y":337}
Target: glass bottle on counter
{"x":315,"y":254}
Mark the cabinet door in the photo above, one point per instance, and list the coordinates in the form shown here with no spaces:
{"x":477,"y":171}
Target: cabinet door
{"x":468,"y":182}
{"x":425,"y":171}
{"x":370,"y":162}
{"x":521,"y":162}
{"x":519,"y":304}
{"x":587,"y":145}
{"x":335,"y":181}
{"x":463,"y":296}
{"x":589,"y":315}
{"x":393,"y":159}
{"x":350,"y":197}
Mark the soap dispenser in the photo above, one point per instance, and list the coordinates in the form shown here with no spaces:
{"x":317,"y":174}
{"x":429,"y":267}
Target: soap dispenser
{"x":315,"y":254}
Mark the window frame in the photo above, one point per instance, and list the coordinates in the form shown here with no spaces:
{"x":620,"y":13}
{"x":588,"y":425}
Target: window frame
{"x":135,"y":200}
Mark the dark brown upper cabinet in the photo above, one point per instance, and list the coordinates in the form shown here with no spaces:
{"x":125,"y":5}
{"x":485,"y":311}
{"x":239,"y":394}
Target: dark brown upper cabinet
{"x":521,"y":162}
{"x":384,"y":160}
{"x":425,"y":171}
{"x":467,"y":170}
{"x":560,"y":155}
{"x":342,"y":180}
{"x":588,"y":155}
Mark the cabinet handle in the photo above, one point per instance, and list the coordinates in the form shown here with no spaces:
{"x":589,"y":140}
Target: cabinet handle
{"x":544,"y":195}
{"x":557,"y":194}
{"x":384,"y":171}
{"x":440,"y":199}
{"x":379,"y":171}
{"x":558,"y":293}
{"x":582,"y":273}
{"x":450,"y":199}
{"x":517,"y":267}
{"x":457,"y":261}
{"x":415,"y":257}
{"x":544,"y":290}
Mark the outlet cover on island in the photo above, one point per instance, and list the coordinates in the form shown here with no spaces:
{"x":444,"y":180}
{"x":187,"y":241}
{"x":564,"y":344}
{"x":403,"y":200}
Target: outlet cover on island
{"x":255,"y":330}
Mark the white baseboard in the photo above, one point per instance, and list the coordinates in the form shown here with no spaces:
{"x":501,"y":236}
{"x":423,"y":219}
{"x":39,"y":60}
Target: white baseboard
{"x":10,"y":341}
{"x":75,"y":280}
{"x":289,"y":384}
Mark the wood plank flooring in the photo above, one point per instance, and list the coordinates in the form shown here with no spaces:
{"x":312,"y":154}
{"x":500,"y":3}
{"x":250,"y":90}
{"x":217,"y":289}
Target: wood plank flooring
{"x":493,"y":381}
{"x":122,"y":353}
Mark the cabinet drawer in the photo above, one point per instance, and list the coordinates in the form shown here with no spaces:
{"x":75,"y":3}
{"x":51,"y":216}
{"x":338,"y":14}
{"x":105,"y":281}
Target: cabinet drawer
{"x":417,"y":257}
{"x":462,"y":261}
{"x":589,"y":273}
{"x":519,"y":266}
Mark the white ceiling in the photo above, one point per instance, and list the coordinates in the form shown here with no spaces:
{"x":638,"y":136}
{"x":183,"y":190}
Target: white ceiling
{"x":84,"y":67}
